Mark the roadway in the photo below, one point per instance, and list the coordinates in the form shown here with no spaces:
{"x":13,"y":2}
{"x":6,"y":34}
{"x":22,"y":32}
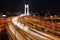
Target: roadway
{"x":25,"y":28}
{"x":20,"y":29}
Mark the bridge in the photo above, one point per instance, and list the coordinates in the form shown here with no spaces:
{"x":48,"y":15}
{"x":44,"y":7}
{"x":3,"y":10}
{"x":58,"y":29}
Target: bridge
{"x":25,"y":27}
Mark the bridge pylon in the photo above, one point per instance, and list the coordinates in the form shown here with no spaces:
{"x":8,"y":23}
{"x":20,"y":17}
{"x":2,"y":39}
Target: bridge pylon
{"x":26,"y":10}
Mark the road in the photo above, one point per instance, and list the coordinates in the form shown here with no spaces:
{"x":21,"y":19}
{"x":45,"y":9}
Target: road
{"x":21,"y":29}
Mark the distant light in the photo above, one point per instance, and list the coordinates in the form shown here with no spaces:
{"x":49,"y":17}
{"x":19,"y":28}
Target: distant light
{"x":4,"y":15}
{"x":51,"y":16}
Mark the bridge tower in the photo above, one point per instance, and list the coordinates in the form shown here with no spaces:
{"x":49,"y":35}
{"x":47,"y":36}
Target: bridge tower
{"x":26,"y":10}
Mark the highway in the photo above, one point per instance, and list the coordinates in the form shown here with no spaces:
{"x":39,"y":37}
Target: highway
{"x":26,"y":29}
{"x":21,"y":29}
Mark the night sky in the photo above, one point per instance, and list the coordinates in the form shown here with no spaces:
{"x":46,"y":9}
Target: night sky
{"x":35,"y":5}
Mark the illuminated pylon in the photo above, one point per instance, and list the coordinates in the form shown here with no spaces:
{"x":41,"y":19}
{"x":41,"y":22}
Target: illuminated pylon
{"x":26,"y":9}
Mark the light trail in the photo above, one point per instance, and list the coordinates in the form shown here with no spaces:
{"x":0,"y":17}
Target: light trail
{"x":25,"y":28}
{"x":13,"y":31}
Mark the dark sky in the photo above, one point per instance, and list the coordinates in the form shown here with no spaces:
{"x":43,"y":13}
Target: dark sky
{"x":35,"y":5}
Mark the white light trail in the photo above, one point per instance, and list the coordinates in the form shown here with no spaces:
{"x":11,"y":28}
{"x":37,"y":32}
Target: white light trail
{"x":25,"y":28}
{"x":13,"y":31}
